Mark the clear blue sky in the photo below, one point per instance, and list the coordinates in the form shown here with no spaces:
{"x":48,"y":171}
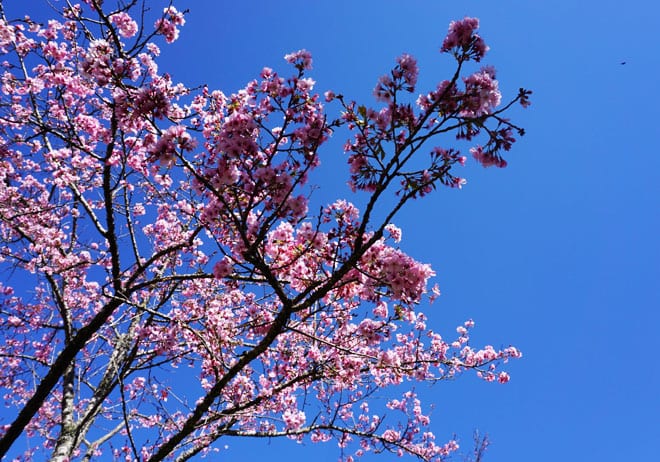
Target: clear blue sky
{"x":557,"y":254}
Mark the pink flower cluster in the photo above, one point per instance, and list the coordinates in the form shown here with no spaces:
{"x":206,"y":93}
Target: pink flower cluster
{"x":482,"y":95}
{"x":175,"y":139}
{"x":97,"y":64}
{"x":403,"y":77}
{"x":487,"y":159}
{"x":268,"y":174}
{"x":222,"y":268}
{"x":125,"y":24}
{"x":404,"y":277}
{"x":7,"y":35}
{"x":464,"y":41}
{"x":302,"y":59}
{"x":167,"y":25}
{"x":470,"y":111}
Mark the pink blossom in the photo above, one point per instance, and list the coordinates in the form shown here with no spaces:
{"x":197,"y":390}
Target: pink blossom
{"x":153,"y":49}
{"x":297,"y":206}
{"x":175,"y":138}
{"x":407,"y":68}
{"x":293,"y":419}
{"x":487,"y":159}
{"x":462,"y":36}
{"x":7,"y":35}
{"x":305,"y":85}
{"x":127,"y":27}
{"x":381,"y":310}
{"x":460,"y":33}
{"x":395,"y":232}
{"x":435,"y":293}
{"x":222,"y":268}
{"x":385,"y":89}
{"x":152,"y":100}
{"x":391,"y":435}
{"x":14,"y":321}
{"x":302,"y":59}
{"x":481,"y":93}
{"x":97,"y":61}
{"x":167,"y":25}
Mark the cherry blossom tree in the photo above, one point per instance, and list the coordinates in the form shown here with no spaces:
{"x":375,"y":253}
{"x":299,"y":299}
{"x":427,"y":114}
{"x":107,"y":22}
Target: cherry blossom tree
{"x":168,"y":279}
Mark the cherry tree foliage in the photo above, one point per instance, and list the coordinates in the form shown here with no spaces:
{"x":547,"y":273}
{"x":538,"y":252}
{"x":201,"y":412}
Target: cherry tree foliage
{"x":167,"y":280}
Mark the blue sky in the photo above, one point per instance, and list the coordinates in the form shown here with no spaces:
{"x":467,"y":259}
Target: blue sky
{"x":557,"y":254}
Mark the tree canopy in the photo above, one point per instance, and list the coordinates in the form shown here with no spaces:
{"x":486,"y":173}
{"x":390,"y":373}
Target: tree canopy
{"x":169,"y":279}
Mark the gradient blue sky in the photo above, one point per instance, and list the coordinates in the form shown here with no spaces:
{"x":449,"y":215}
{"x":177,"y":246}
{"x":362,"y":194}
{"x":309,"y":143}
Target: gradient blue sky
{"x":557,"y":254}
